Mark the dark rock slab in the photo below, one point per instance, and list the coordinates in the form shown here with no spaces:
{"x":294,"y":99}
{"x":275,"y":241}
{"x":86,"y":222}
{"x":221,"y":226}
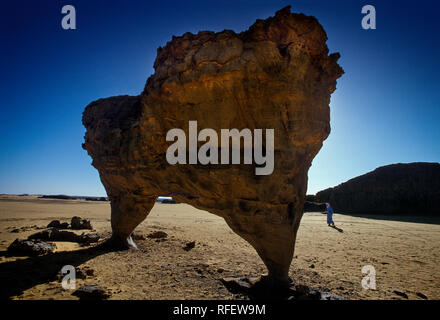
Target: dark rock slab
{"x":31,"y":247}
{"x":55,"y":234}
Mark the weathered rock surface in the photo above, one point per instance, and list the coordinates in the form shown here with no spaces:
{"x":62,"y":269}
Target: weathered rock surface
{"x":78,"y":223}
{"x":61,"y":235}
{"x":30,"y":247}
{"x":57,"y":224}
{"x":396,"y":189}
{"x":276,"y":75}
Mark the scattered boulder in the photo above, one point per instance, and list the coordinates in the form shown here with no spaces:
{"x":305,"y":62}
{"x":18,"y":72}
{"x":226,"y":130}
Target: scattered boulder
{"x":57,"y":224}
{"x":158,"y":235}
{"x":84,"y":272}
{"x":92,"y":292}
{"x":401,"y":293}
{"x":30,"y":247}
{"x":421,"y":295}
{"x":55,"y":234}
{"x":54,"y":224}
{"x":63,"y":225}
{"x":77,"y":223}
{"x":189,"y":245}
{"x":80,"y":274}
{"x":88,"y":238}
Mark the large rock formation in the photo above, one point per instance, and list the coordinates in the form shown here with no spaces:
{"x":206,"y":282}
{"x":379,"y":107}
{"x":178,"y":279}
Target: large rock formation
{"x":396,"y":189}
{"x":276,"y":75}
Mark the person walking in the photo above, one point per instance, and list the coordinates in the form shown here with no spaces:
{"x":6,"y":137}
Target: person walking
{"x":329,"y":215}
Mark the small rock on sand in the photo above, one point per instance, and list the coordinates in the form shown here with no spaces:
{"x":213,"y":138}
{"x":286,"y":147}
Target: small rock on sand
{"x":54,"y":224}
{"x":401,"y":293}
{"x":92,"y":292}
{"x":137,"y":236}
{"x":157,"y":235}
{"x":84,"y":272}
{"x":189,"y":246}
{"x":421,"y":295}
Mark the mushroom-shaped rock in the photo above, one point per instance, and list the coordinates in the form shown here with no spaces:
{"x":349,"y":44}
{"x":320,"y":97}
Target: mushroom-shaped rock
{"x":276,"y":75}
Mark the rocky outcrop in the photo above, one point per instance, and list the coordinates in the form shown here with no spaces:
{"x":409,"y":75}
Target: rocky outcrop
{"x":30,"y":247}
{"x":396,"y":189}
{"x":77,"y":223}
{"x":314,"y":207}
{"x":54,"y":234}
{"x":276,"y":75}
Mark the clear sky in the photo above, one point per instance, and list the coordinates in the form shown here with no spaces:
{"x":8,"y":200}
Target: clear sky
{"x":385,"y":109}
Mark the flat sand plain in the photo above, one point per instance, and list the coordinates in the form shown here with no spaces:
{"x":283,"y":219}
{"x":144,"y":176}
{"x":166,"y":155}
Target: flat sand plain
{"x":405,"y":255}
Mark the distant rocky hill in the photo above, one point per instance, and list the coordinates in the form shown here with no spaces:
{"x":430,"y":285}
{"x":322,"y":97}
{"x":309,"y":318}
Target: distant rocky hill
{"x":65,"y":197}
{"x":404,"y":189}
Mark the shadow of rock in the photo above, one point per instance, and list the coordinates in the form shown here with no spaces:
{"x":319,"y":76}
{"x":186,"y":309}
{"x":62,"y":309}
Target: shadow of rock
{"x":17,"y":276}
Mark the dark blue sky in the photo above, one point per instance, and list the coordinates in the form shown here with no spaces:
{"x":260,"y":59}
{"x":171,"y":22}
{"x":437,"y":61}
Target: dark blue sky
{"x":385,"y":110}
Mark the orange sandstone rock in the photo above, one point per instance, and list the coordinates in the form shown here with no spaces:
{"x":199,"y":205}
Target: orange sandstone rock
{"x":278,"y":75}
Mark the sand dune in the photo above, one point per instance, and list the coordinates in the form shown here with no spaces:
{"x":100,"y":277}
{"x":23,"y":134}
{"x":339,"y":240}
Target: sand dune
{"x":404,"y":254}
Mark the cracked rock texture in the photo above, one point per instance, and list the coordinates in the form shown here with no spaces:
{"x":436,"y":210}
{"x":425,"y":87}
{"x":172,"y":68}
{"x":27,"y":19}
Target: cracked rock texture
{"x":276,"y":75}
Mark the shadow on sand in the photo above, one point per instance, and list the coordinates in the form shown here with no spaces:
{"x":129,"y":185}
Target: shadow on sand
{"x":17,"y":276}
{"x":401,"y":218}
{"x":336,"y":228}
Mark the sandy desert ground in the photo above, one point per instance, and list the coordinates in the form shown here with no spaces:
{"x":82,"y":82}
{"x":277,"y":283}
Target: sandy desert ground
{"x":405,"y":255}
